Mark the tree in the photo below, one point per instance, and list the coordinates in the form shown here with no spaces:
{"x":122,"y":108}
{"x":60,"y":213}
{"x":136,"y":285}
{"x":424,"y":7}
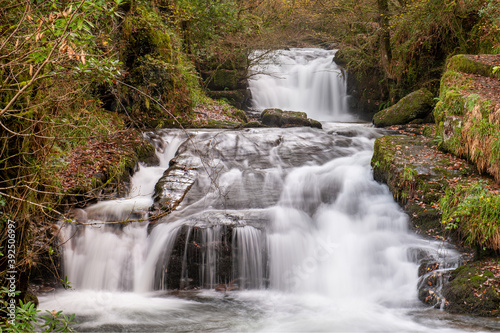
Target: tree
{"x":51,"y":55}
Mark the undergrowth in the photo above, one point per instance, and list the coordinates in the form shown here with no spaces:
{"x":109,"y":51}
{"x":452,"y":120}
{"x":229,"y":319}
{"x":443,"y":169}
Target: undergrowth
{"x":473,"y":210}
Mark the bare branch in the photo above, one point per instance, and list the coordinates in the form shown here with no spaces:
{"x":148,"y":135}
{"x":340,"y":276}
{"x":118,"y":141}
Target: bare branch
{"x":35,"y":75}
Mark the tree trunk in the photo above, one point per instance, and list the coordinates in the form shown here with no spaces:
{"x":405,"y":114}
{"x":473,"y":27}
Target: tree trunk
{"x":385,"y":37}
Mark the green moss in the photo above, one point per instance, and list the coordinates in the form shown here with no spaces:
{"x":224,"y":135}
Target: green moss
{"x":222,"y":79}
{"x":416,"y":105}
{"x":235,"y":98}
{"x":467,"y":64}
{"x":222,"y":124}
{"x":240,"y":114}
{"x":470,"y":290}
{"x":146,"y":33}
{"x":271,"y":117}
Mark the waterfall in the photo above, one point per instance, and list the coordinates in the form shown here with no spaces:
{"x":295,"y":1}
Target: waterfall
{"x":280,"y":229}
{"x":306,"y":80}
{"x":104,"y":256}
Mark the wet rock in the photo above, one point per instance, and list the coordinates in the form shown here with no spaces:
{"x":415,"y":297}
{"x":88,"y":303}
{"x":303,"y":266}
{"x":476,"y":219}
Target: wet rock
{"x":176,"y":181}
{"x":280,"y":118}
{"x":430,"y":286}
{"x":292,"y":118}
{"x":417,"y":175}
{"x":416,"y":105}
{"x":474,"y":288}
{"x":272,"y":117}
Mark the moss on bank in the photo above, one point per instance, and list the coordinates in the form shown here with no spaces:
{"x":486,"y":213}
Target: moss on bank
{"x":474,"y":289}
{"x":468,"y":115}
{"x":446,"y":198}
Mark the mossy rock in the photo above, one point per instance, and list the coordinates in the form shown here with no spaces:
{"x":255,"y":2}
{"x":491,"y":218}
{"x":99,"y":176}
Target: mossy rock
{"x":294,"y":118}
{"x":240,"y":114}
{"x":222,"y":124}
{"x":272,"y":117}
{"x":280,"y":118}
{"x":417,"y":175}
{"x":146,"y":153}
{"x":253,"y":124}
{"x":236,"y":98}
{"x":471,"y":64}
{"x":315,"y":124}
{"x":416,"y":105}
{"x":473,"y":289}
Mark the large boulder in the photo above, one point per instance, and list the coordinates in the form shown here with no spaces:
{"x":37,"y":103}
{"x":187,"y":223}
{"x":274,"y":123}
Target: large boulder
{"x":280,"y":118}
{"x":272,"y":117}
{"x":416,"y":105}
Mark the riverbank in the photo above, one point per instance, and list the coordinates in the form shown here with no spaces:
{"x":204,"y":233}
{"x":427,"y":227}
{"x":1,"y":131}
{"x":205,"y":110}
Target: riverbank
{"x":445,"y":177}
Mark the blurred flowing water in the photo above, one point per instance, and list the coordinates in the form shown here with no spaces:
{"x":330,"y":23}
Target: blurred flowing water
{"x":280,"y":230}
{"x":306,"y":80}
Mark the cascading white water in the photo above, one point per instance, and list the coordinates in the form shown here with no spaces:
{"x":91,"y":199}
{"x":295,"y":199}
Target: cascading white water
{"x":248,"y":257}
{"x":112,"y":257}
{"x":306,"y":80}
{"x":291,"y":217}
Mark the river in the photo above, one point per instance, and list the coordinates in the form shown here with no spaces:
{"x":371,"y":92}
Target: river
{"x":279,"y":229}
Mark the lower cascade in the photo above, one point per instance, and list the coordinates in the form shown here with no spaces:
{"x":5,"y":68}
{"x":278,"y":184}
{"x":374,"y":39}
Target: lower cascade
{"x":271,"y":229}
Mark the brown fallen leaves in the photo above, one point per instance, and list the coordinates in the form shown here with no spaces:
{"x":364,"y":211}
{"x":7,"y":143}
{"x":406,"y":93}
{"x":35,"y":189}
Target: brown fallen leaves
{"x":95,"y":160}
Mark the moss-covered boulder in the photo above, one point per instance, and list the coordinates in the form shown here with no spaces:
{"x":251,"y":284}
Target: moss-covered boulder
{"x":280,"y":118}
{"x":474,"y":288}
{"x":416,"y":105}
{"x":272,"y":117}
{"x":293,"y":118}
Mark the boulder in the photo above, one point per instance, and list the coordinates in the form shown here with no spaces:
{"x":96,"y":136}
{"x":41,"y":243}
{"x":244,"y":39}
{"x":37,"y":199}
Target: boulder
{"x":292,"y":118}
{"x":416,"y":105}
{"x":280,"y":118}
{"x":272,"y":117}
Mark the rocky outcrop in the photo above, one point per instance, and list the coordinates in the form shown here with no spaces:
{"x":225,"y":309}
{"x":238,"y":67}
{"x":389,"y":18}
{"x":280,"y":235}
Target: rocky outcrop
{"x":227,"y":81}
{"x":176,"y":181}
{"x":418,"y":175}
{"x":445,"y":198}
{"x":417,"y":105}
{"x":468,"y":112}
{"x":280,"y":118}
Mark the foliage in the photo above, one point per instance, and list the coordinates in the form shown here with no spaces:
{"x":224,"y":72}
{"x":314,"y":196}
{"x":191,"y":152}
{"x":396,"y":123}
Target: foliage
{"x":27,"y":318}
{"x":53,"y":54}
{"x":474,"y":211}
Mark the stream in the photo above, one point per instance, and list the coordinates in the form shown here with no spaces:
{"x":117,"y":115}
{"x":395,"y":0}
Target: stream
{"x":276,"y":229}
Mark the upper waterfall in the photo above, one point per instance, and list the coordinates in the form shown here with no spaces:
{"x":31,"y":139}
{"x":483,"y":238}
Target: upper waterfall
{"x":306,"y":80}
